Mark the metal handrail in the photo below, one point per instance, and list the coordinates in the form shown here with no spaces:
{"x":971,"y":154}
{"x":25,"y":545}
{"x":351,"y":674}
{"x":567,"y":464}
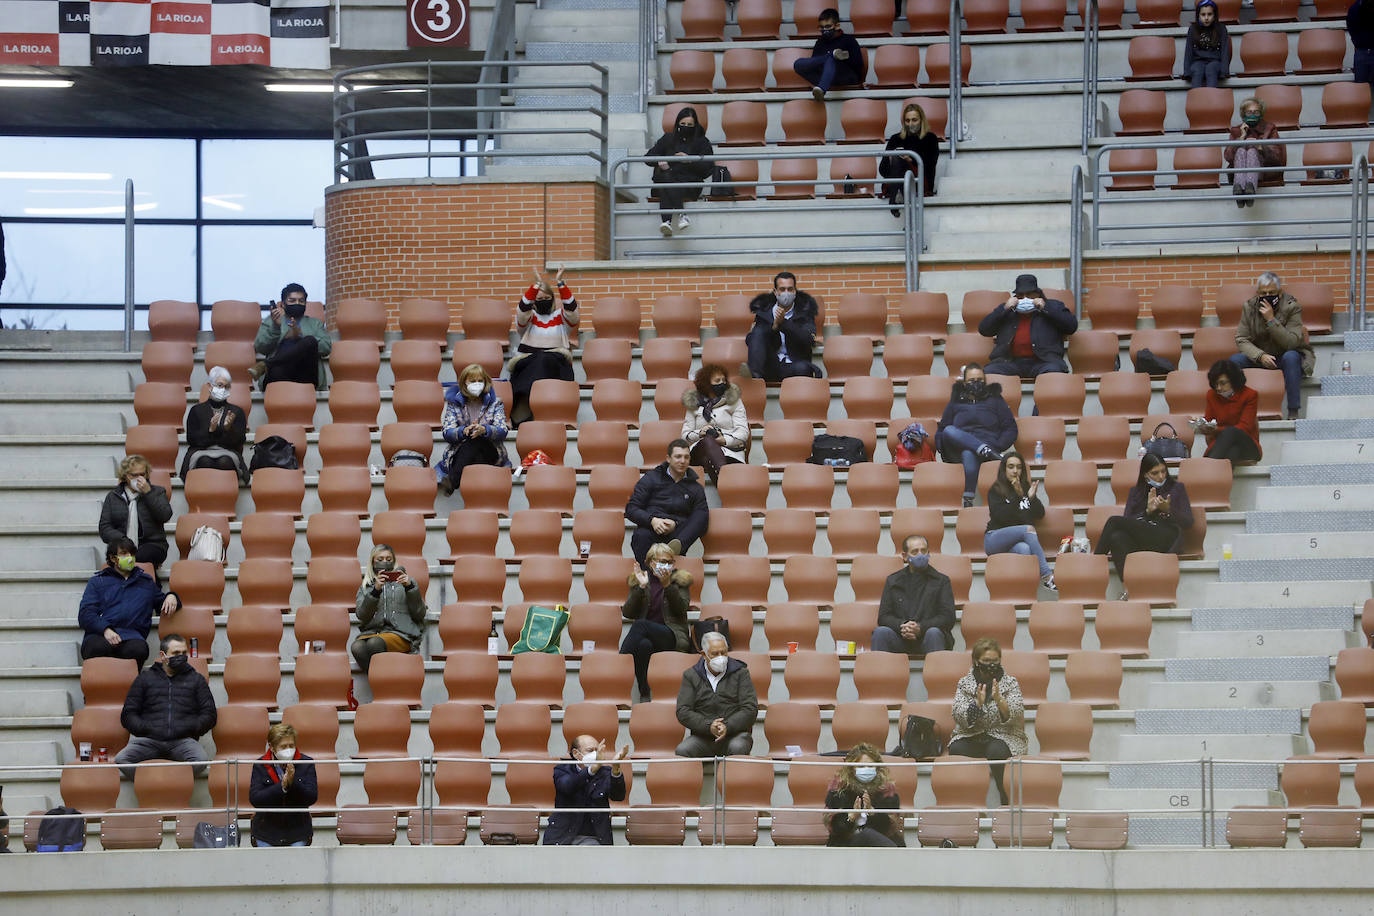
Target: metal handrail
{"x":350,"y":142}
{"x":128,"y":265}
{"x":913,"y":205}
{"x":649,"y":39}
{"x":1077,"y":188}
{"x":1359,"y":242}
{"x":955,"y":132}
{"x":1090,"y":68}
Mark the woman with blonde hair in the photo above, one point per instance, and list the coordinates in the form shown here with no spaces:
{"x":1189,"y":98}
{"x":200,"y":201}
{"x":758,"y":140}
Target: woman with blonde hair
{"x":657,"y":610}
{"x":915,"y":136}
{"x":860,"y":792}
{"x":137,"y":510}
{"x":282,"y":789}
{"x":390,"y":608}
{"x":474,"y":425}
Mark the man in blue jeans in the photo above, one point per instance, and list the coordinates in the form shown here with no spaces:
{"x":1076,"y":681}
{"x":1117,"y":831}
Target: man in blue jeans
{"x":1270,"y":335}
{"x":916,"y":612}
{"x":836,"y":58}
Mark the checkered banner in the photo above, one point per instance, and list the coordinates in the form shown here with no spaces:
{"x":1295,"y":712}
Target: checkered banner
{"x":123,"y":33}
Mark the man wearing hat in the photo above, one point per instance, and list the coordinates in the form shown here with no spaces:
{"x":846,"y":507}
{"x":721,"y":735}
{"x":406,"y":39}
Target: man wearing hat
{"x":1029,"y":331}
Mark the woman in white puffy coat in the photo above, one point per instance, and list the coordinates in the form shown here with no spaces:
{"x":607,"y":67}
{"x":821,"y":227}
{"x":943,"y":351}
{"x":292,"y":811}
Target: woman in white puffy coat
{"x":715,"y":427}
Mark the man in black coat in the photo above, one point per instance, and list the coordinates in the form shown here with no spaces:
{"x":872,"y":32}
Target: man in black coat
{"x":668,"y":505}
{"x":916,"y":612}
{"x":1030,"y":332}
{"x":586,"y":782}
{"x":836,"y":58}
{"x":168,"y":708}
{"x":679,"y":147}
{"x":783,"y":334}
{"x":717,"y":703}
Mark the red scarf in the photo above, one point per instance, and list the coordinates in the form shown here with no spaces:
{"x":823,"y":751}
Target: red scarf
{"x":273,"y":771}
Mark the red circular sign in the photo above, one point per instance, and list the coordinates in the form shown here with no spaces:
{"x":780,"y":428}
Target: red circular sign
{"x":438,"y":21}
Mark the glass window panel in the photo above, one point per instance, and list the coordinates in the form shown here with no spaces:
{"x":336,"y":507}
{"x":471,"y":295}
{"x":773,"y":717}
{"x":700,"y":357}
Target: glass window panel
{"x":254,"y":263}
{"x":76,"y":264}
{"x":84,"y":177}
{"x":265,"y":179}
{"x":445,"y":167}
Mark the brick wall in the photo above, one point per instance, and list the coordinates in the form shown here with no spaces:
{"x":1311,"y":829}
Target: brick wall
{"x":476,"y":239}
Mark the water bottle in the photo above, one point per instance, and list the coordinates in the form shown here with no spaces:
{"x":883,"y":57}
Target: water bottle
{"x":1140,"y":453}
{"x":1345,"y":367}
{"x":1039,"y":452}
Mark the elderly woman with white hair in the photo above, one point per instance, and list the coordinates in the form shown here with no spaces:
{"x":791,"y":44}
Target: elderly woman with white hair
{"x":1270,"y":335}
{"x":216,"y":430}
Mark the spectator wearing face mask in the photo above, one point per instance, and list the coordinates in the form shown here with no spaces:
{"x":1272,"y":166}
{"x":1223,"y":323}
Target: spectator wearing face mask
{"x":1029,"y":331}
{"x":916,"y":611}
{"x":686,"y":139}
{"x":716,"y":426}
{"x":547,"y":325}
{"x":977,"y":426}
{"x":137,"y":510}
{"x":474,"y":425}
{"x":282,"y":789}
{"x":168,"y":708}
{"x":657,"y":611}
{"x":588,"y":781}
{"x":989,"y":714}
{"x":717,"y":703}
{"x":1157,"y":510}
{"x":1270,"y":335}
{"x":1254,"y":164}
{"x":836,"y":58}
{"x":860,"y":792}
{"x":294,"y":346}
{"x":390,"y":609}
{"x":118,"y":605}
{"x":216,"y":430}
{"x":1231,"y":425}
{"x":783,"y":334}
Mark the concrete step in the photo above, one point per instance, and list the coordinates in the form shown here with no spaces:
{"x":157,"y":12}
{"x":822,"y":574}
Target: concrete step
{"x":1286,"y":594}
{"x":1294,"y":475}
{"x":34,"y":654}
{"x":1328,"y":428}
{"x":1299,"y":569}
{"x":1301,"y":523}
{"x":1339,"y":617}
{"x":1181,"y":799}
{"x":18,"y":804}
{"x":1239,"y":695}
{"x":1172,"y":747}
{"x":1331,"y":451}
{"x":58,"y":414}
{"x":1361,"y":362}
{"x":1216,"y":644}
{"x":1355,"y":496}
{"x":1251,"y":667}
{"x":30,"y":754}
{"x":74,"y":374}
{"x":1188,"y":774}
{"x":38,"y":703}
{"x":1360,"y":341}
{"x":580,"y":27}
{"x":1331,"y":407}
{"x":602,"y":52}
{"x":1324,"y":544}
{"x":1218,"y":721}
{"x":1347,"y":385}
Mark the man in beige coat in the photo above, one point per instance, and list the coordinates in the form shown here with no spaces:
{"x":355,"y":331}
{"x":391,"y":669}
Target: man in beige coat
{"x":1270,"y":335}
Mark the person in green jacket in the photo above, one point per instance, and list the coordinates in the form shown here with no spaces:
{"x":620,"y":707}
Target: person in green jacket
{"x":293,"y":345}
{"x":390,"y":608}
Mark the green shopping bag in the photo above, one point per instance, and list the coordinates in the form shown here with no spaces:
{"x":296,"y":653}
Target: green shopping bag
{"x":542,"y":630}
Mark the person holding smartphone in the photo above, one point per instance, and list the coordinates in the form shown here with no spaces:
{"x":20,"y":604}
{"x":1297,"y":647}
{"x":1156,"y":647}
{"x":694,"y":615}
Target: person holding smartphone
{"x":1013,"y":507}
{"x":862,"y":795}
{"x":293,"y":344}
{"x":390,"y":608}
{"x":1231,"y":425}
{"x":716,"y":426}
{"x":989,"y":714}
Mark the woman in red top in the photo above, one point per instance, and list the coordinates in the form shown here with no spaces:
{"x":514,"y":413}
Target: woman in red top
{"x":1233,"y":431}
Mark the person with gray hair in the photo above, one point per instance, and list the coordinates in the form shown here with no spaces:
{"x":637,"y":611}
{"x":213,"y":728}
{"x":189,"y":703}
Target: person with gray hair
{"x":216,"y":430}
{"x":717,"y":703}
{"x":1270,"y":335}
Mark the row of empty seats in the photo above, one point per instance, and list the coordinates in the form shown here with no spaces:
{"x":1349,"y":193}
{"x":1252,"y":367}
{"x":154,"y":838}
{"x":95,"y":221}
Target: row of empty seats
{"x":1142,"y":111}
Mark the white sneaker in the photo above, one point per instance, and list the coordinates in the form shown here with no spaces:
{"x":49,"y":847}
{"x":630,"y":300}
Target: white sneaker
{"x":666,"y":227}
{"x":683,"y":222}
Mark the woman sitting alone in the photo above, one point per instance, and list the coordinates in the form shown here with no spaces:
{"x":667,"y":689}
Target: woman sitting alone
{"x":474,"y":426}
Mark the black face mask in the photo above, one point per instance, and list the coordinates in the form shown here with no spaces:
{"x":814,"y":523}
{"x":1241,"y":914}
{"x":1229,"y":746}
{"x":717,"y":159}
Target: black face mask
{"x":294,"y":310}
{"x":718,"y":388}
{"x":178,"y":663}
{"x":1271,"y":301}
{"x":976,"y":387}
{"x":986,"y":674}
{"x":543,"y":306}
{"x":685,"y":132}
{"x":827,"y":31}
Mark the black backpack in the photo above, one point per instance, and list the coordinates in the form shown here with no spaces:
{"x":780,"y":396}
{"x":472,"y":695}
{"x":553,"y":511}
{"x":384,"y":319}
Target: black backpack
{"x":919,"y":740}
{"x":840,"y":451}
{"x":1147,"y":361}
{"x":61,"y":834}
{"x":273,"y":452}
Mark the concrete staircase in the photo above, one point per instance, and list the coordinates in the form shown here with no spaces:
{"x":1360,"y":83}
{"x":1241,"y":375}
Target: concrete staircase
{"x":1261,"y":647}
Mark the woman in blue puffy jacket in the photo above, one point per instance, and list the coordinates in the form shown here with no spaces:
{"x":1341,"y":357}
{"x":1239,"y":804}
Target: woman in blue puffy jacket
{"x":977,"y":426}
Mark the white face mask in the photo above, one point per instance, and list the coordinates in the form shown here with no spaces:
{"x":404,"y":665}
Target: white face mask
{"x":219,"y":392}
{"x":285,"y":753}
{"x":717,"y":664}
{"x":590,"y":756}
{"x":865,"y":774}
{"x":475,"y":388}
{"x":662,"y":569}
{"x":785,"y":297}
{"x":1025,"y":305}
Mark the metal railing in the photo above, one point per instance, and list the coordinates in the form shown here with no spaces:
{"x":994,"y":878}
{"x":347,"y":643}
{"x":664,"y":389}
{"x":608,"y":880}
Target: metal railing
{"x":650,"y":34}
{"x":909,"y":239}
{"x":128,"y":265}
{"x":1008,"y":820}
{"x":1078,"y":184}
{"x":1202,"y":228}
{"x":1090,"y":64}
{"x":954,"y":129}
{"x":414,"y":101}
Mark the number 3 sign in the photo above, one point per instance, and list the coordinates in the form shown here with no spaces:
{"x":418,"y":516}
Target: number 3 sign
{"x":436,"y":22}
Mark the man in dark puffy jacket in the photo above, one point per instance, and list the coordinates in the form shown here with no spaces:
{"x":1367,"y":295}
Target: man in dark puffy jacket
{"x":836,"y":58}
{"x":784,"y":332}
{"x":668,"y":505}
{"x":118,"y":605}
{"x":168,"y":708}
{"x":717,"y":703}
{"x":916,"y":612}
{"x":1030,"y":332}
